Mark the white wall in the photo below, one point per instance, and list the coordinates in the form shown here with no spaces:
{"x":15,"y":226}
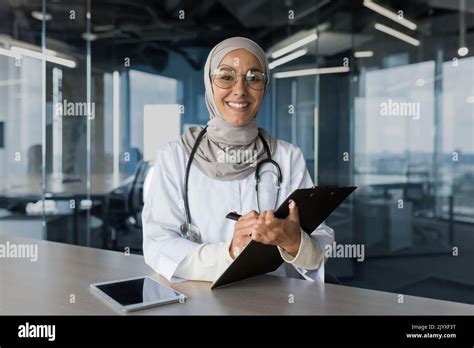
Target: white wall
{"x":161,"y":124}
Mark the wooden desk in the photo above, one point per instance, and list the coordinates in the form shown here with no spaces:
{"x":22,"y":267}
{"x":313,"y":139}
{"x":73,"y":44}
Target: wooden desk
{"x":63,"y":271}
{"x":30,"y":186}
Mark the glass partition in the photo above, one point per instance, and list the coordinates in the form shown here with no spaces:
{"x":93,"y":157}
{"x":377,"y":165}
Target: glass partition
{"x":411,"y":83}
{"x":22,"y":136}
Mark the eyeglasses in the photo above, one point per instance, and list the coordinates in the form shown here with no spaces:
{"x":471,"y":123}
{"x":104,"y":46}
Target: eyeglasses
{"x":226,"y":77}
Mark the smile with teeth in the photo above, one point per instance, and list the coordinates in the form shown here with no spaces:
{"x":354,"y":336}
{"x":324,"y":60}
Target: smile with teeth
{"x":238,"y":105}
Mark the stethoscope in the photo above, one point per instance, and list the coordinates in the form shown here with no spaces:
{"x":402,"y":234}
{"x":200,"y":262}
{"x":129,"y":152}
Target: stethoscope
{"x":190,"y":231}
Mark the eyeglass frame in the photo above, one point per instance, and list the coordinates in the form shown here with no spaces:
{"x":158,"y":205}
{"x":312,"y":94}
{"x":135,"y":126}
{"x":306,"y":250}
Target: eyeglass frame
{"x":212,"y":76}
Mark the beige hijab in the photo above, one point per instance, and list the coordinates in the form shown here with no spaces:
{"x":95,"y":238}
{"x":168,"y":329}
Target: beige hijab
{"x":228,"y":152}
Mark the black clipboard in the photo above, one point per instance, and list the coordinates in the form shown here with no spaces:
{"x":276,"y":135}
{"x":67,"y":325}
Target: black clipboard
{"x":314,"y":206}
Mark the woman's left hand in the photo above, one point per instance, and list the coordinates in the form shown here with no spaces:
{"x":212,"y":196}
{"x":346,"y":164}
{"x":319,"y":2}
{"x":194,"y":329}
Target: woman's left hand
{"x":283,"y":232}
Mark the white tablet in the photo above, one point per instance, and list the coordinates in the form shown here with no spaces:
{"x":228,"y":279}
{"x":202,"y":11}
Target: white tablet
{"x":137,"y":293}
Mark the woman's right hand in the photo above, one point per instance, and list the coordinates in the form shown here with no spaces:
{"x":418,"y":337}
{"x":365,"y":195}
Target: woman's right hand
{"x":242,"y":233}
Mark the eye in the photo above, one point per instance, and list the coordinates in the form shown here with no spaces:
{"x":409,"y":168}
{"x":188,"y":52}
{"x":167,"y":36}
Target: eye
{"x":255,"y":77}
{"x":252,"y":78}
{"x":224,"y":76}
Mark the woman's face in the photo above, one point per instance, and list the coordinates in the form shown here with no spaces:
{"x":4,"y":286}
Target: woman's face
{"x":238,"y":104}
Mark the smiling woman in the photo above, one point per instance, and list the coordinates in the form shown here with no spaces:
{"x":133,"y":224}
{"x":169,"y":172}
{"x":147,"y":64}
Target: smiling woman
{"x":237,"y":103}
{"x":199,"y":243}
{"x":233,"y":104}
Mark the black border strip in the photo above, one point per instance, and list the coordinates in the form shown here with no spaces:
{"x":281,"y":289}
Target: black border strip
{"x":290,"y":330}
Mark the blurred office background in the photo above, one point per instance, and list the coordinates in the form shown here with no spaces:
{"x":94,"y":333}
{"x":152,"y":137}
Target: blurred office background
{"x":77,"y":175}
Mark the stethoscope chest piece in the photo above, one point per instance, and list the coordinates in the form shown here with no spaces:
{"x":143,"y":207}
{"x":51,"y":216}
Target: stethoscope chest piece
{"x":190,"y":231}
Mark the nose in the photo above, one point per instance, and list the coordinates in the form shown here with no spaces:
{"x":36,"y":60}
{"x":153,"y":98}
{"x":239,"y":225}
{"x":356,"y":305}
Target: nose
{"x":240,"y":88}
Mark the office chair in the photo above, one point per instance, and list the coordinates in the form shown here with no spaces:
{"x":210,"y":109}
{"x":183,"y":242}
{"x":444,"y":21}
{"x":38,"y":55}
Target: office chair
{"x":125,"y":204}
{"x":136,"y":200}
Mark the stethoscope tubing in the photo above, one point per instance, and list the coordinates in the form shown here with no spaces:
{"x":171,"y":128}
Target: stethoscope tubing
{"x":257,"y":171}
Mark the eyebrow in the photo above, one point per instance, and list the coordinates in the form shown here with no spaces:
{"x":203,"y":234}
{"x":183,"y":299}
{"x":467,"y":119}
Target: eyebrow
{"x":228,"y":66}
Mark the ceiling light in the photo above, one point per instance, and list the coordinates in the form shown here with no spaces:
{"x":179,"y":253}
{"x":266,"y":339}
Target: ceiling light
{"x":50,"y":58}
{"x":389,"y":14}
{"x":363,"y":54}
{"x":397,"y":34}
{"x":39,"y":16}
{"x":315,"y":71}
{"x":470,"y":99}
{"x":310,"y":38}
{"x":8,"y":42}
{"x":50,"y":52}
{"x":286,"y":59}
{"x":8,"y":53}
{"x":420,"y":82}
{"x":89,"y":36}
{"x":462,"y":51}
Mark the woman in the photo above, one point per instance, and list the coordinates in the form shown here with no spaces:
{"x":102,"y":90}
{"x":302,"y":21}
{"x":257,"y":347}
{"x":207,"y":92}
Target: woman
{"x":222,"y":179}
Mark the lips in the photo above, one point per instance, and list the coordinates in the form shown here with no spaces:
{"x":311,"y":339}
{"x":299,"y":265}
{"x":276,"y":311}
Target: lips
{"x":238,"y":105}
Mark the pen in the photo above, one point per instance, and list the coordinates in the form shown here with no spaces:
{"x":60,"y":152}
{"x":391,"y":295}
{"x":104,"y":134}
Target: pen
{"x":233,"y":216}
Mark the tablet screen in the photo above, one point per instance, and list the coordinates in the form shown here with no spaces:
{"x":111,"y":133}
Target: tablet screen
{"x":141,"y":290}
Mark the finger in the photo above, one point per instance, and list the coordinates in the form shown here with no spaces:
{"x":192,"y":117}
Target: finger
{"x":272,"y":239}
{"x":235,"y":252}
{"x":293,"y":216}
{"x":263,"y":234}
{"x":243,"y":233}
{"x":256,"y":236}
{"x":245,"y":223}
{"x":261,"y":218}
{"x":246,"y":240}
{"x":257,"y":230}
{"x":243,"y":243}
{"x":240,"y":246}
{"x":269,"y":218}
{"x":249,"y":215}
{"x":262,"y":238}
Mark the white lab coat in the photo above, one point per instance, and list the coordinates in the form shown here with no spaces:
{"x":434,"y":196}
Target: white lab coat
{"x":209,"y":201}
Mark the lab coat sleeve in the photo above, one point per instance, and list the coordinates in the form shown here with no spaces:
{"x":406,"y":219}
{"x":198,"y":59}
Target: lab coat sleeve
{"x":310,"y":259}
{"x":308,"y":256}
{"x":207,"y":262}
{"x":163,"y":213}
